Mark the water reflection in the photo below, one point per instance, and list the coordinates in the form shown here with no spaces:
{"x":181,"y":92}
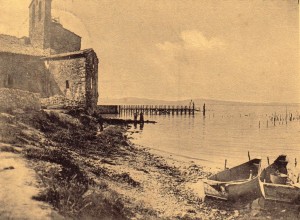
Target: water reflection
{"x":226,"y":132}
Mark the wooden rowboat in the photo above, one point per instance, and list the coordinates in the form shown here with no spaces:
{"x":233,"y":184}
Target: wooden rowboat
{"x":275,"y":186}
{"x":239,"y":182}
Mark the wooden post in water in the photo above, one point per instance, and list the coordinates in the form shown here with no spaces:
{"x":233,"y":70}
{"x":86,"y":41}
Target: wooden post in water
{"x":249,"y":155}
{"x":204,"y":109}
{"x":286,"y":115}
{"x":193,"y":108}
{"x":268,"y":160}
{"x":295,"y":162}
{"x":225,"y":166}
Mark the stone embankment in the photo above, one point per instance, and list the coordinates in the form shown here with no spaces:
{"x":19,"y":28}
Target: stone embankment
{"x":13,"y":99}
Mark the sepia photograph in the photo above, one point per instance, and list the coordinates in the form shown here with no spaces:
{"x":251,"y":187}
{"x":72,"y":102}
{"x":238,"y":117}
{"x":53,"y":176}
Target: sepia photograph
{"x":149,"y":110}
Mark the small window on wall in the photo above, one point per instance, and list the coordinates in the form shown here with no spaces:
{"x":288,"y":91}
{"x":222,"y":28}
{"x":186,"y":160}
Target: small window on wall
{"x":40,"y":11}
{"x":67,"y":84}
{"x":10,"y":81}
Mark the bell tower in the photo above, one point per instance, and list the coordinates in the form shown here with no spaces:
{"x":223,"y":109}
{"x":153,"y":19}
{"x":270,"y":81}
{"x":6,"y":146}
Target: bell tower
{"x":40,"y":23}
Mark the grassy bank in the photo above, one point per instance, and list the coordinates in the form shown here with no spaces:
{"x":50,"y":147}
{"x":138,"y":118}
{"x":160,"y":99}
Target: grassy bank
{"x":87,"y":174}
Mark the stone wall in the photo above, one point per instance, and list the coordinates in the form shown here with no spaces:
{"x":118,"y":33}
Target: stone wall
{"x":70,"y":76}
{"x":92,"y":80}
{"x":63,"y":40}
{"x":76,"y":75}
{"x":27,"y":73}
{"x":12,"y":99}
{"x":64,"y":81}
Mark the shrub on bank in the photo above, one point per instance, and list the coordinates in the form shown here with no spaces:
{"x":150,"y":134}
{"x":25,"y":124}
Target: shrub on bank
{"x":59,"y":163}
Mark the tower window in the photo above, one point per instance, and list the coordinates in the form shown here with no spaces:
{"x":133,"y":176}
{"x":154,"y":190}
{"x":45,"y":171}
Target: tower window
{"x":67,"y":84}
{"x":33,"y":15}
{"x":40,"y":11}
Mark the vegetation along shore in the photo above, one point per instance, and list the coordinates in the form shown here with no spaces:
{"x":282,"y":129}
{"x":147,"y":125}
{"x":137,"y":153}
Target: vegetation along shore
{"x":84,"y":173}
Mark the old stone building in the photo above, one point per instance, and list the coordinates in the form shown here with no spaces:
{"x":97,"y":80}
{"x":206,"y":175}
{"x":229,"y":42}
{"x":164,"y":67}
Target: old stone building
{"x":50,"y":62}
{"x":47,"y":33}
{"x":76,"y":75}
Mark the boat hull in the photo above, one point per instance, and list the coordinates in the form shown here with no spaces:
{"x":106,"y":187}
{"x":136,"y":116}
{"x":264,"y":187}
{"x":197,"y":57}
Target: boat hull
{"x":280,"y":193}
{"x":233,"y":191}
{"x":239,"y":182}
{"x":271,"y":190}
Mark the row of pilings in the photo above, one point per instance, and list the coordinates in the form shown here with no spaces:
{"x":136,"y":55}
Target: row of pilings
{"x":280,"y":119}
{"x":158,"y":109}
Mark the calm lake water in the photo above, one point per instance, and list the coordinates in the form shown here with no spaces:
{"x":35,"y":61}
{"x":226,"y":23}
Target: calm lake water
{"x":227,"y":132}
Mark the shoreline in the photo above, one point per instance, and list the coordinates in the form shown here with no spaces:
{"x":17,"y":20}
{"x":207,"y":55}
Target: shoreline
{"x":205,"y":164}
{"x":87,"y":174}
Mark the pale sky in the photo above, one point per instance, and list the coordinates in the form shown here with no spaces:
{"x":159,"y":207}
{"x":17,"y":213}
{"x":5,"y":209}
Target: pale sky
{"x":175,"y":49}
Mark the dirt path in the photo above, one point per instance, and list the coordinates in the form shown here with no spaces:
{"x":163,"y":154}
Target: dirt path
{"x":18,"y":184}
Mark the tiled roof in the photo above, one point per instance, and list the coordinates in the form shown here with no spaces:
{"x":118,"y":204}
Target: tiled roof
{"x":11,"y":44}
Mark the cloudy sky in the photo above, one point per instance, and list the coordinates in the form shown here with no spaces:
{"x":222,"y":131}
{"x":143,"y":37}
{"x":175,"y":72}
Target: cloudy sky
{"x":176,"y":49}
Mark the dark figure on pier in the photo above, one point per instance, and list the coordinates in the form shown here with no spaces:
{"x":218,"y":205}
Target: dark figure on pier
{"x":100,"y":122}
{"x":135,"y":125}
{"x":141,"y":126}
{"x":142,"y":117}
{"x":135,"y":115}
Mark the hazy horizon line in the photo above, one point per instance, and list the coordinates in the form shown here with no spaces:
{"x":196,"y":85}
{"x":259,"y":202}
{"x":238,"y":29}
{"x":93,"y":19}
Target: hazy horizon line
{"x":209,"y":99}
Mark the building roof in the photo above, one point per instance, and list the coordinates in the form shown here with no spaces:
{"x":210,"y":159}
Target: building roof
{"x":11,"y":44}
{"x":79,"y":53}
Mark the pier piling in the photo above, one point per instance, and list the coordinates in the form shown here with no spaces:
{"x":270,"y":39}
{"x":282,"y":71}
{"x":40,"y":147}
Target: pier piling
{"x":158,"y":109}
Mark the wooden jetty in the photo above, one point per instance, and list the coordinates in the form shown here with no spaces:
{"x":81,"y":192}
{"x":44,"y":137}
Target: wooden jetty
{"x":158,"y":109}
{"x":117,"y":121}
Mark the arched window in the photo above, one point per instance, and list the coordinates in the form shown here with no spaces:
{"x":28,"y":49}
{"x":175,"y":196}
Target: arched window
{"x":40,"y":11}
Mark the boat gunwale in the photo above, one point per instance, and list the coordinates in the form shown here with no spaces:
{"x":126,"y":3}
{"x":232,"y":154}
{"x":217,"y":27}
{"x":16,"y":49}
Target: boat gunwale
{"x":234,"y":182}
{"x":280,"y":185}
{"x":240,"y":165}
